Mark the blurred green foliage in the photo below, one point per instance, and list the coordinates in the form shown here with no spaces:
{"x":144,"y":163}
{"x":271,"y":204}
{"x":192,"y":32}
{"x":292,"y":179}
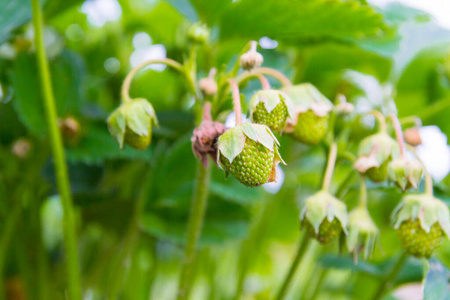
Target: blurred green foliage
{"x":335,"y":45}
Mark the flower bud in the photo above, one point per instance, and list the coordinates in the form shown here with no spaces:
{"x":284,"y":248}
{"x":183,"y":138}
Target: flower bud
{"x":131,"y":123}
{"x":362,"y":232}
{"x":251,"y":59}
{"x":70,"y":129}
{"x":208,"y":85}
{"x":405,"y":172}
{"x":324,"y":217}
{"x":412,"y":136}
{"x":421,"y":221}
{"x":198,"y":33}
{"x":21,"y":148}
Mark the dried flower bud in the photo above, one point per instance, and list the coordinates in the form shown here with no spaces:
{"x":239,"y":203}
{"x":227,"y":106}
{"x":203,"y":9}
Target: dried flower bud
{"x":204,"y":139}
{"x":412,"y":136}
{"x":21,"y":148}
{"x":208,"y":85}
{"x":251,"y":59}
{"x":70,"y":129}
{"x":343,"y":107}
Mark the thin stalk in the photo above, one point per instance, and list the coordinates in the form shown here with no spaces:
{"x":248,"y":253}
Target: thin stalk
{"x":285,"y":82}
{"x":264,"y":82}
{"x":362,"y":192}
{"x":236,"y":101}
{"x":167,"y":61}
{"x":381,"y":120}
{"x":398,"y":133}
{"x":411,"y":120}
{"x":390,"y":277}
{"x":194,"y":228}
{"x":330,"y":167}
{"x":62,"y":177}
{"x":304,"y":242}
{"x":428,"y":178}
{"x":322,"y":275}
{"x":130,"y":238}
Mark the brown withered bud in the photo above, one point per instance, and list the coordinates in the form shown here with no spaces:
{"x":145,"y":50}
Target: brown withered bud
{"x":70,"y":129}
{"x":251,"y":59}
{"x":21,"y":148}
{"x":208,"y":85}
{"x":412,"y":136}
{"x":204,"y":139}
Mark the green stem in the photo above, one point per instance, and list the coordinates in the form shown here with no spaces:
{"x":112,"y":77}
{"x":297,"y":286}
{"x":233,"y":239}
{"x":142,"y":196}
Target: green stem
{"x":294,"y":265}
{"x":362,"y":192}
{"x":5,"y":239}
{"x":381,"y":120}
{"x":390,"y":277}
{"x":194,"y":228}
{"x":411,"y":120}
{"x":130,"y":238}
{"x":330,"y":167}
{"x":167,"y":61}
{"x":62,"y":177}
{"x":322,"y":275}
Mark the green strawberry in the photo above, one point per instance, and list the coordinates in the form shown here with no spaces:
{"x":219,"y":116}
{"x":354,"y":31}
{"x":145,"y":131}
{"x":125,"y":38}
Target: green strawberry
{"x":309,"y":123}
{"x":362,"y":232}
{"x":374,"y":154}
{"x":271,"y":108}
{"x":327,"y":231}
{"x":324,"y":216}
{"x":421,"y":220}
{"x":405,"y":172}
{"x":250,"y":153}
{"x":310,"y":128}
{"x":417,"y":241}
{"x":131,"y":123}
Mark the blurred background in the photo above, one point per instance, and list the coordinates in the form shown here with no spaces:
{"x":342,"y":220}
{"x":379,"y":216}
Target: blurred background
{"x":385,"y":55}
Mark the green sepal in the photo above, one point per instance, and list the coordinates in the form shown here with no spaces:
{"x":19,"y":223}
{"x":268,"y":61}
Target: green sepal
{"x":405,"y":172}
{"x":361,"y":231}
{"x":375,"y":150}
{"x":117,"y":126}
{"x":424,"y":207}
{"x":271,"y":98}
{"x":305,"y":96}
{"x":323,"y":205}
{"x":231,"y":143}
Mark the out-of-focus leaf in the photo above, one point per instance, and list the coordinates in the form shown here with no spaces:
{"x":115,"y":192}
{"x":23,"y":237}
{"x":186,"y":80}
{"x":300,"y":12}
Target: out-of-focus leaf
{"x":98,"y":145}
{"x":435,"y":286}
{"x":331,"y":261}
{"x":13,"y":13}
{"x":300,"y":20}
{"x":209,"y":11}
{"x":67,"y":74}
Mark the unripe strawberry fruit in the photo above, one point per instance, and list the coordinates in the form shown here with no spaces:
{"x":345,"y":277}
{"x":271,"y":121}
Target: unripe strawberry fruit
{"x":417,"y":241}
{"x":421,"y":221}
{"x":378,"y":174}
{"x":250,"y":153}
{"x":327,"y":231}
{"x":309,"y":123}
{"x":271,"y":108}
{"x":310,"y":128}
{"x":324,"y":217}
{"x":131,"y":123}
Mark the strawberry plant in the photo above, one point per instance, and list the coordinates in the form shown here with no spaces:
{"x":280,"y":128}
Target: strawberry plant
{"x":223,"y":150}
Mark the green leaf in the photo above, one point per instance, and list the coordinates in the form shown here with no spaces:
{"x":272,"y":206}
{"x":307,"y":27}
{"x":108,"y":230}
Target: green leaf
{"x":436,"y":282}
{"x":210,"y":11}
{"x":98,"y":145}
{"x":14,"y":13}
{"x":300,"y":20}
{"x":347,"y":263}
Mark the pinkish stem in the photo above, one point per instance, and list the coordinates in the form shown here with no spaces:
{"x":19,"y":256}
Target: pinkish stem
{"x":207,"y":112}
{"x":398,"y":133}
{"x":236,"y":100}
{"x":264,"y":82}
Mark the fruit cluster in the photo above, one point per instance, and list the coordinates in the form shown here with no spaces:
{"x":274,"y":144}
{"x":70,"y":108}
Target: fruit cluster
{"x":249,"y":152}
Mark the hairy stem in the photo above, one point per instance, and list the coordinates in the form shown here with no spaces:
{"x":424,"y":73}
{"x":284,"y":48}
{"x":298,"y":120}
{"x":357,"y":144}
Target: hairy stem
{"x":62,"y":177}
{"x":330,"y":167}
{"x":390,"y":277}
{"x":398,"y":133}
{"x":304,"y":242}
{"x":236,"y":101}
{"x":194,"y":229}
{"x":264,"y":82}
{"x":167,"y":61}
{"x":264,"y":71}
{"x":381,"y":120}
